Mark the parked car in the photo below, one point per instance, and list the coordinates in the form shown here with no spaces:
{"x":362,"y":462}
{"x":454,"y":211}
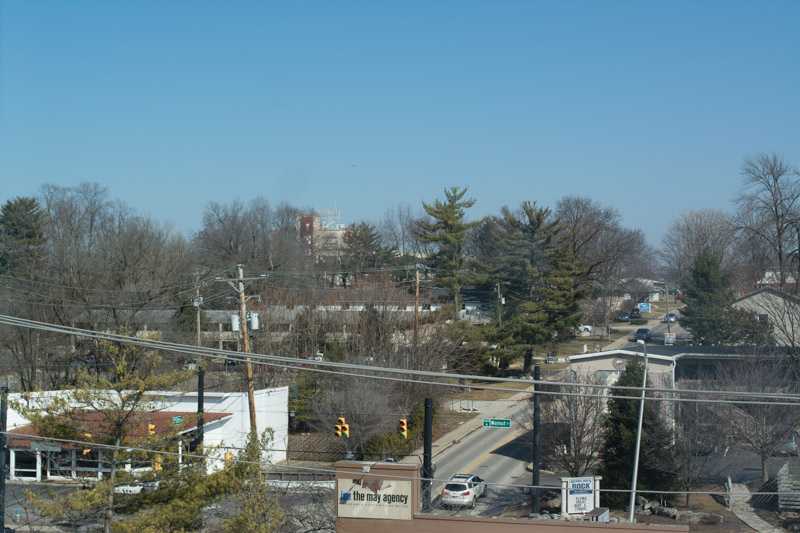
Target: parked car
{"x":707,"y":442}
{"x":635,"y":313}
{"x":463,"y":490}
{"x":623,"y":316}
{"x":643,"y":334}
{"x":789,"y":446}
{"x":671,"y":318}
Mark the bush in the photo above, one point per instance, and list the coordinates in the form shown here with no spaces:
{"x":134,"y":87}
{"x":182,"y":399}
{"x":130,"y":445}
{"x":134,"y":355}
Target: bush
{"x":638,"y":321}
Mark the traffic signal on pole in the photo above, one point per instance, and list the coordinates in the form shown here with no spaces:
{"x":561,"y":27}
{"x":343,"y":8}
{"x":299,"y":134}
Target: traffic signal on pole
{"x":404,"y":428}
{"x":228,"y":459}
{"x":151,"y":429}
{"x":340,"y":427}
{"x":345,"y":430}
{"x":157,"y":463}
{"x":87,"y":450}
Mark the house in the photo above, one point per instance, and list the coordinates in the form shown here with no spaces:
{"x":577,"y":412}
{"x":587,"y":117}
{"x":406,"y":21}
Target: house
{"x":780,"y":308}
{"x":226,"y":426}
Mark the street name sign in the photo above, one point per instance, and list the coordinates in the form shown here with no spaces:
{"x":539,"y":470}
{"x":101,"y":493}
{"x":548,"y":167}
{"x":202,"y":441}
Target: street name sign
{"x":496,"y":422}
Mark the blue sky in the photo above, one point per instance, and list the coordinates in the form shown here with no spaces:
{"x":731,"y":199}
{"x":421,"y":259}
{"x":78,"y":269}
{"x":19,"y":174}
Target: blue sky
{"x":648,"y":107}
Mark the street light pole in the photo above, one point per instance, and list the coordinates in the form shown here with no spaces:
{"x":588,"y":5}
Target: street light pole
{"x":638,"y":434}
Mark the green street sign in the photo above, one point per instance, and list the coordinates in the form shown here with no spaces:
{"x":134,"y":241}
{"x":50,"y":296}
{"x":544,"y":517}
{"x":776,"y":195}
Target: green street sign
{"x":177,"y":420}
{"x":496,"y":423}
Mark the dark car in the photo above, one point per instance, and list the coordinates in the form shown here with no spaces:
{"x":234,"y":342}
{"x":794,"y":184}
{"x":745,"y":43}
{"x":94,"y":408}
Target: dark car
{"x":642,"y":334}
{"x":623,"y":316}
{"x":635,"y":313}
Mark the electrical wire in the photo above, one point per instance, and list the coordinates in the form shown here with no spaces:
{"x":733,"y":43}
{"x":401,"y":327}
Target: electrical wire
{"x":401,"y":375}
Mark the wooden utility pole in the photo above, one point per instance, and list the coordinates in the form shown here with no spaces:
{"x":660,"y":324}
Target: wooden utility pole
{"x":416,"y":312}
{"x":201,"y":374}
{"x":251,"y":401}
{"x":239,"y":288}
{"x":499,"y":307}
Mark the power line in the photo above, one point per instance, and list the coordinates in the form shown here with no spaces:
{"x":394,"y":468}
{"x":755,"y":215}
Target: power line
{"x":398,"y":374}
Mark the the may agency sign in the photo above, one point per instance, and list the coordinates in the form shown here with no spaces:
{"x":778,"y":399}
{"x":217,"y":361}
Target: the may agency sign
{"x":580,"y":494}
{"x":374,"y":498}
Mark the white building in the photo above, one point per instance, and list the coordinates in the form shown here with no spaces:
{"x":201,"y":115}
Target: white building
{"x":226,"y":426}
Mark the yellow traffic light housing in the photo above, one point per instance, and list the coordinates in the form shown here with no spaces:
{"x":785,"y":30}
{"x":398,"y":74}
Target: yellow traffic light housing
{"x":151,"y":429}
{"x":339,"y":428}
{"x":87,"y":450}
{"x":404,"y":428}
{"x":345,"y":430}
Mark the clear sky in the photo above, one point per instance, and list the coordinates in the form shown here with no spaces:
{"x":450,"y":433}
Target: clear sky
{"x":648,"y":107}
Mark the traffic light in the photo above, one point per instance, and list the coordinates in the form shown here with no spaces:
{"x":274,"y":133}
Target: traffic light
{"x":228,"y":459}
{"x":151,"y":429}
{"x":87,"y":450}
{"x":157,"y":463}
{"x":340,"y":427}
{"x":345,"y":430}
{"x":404,"y":428}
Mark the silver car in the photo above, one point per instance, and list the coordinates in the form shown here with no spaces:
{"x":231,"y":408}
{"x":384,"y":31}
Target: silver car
{"x":463,"y":490}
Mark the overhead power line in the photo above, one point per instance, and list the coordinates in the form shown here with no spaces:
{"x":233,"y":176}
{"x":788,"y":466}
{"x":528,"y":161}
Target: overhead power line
{"x":414,"y":376}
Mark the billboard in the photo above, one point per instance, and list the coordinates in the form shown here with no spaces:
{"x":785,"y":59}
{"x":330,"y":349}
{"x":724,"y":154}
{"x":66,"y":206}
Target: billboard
{"x":374,"y":498}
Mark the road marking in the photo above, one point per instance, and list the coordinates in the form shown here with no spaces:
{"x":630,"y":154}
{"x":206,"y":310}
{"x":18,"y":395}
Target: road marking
{"x":487,"y":454}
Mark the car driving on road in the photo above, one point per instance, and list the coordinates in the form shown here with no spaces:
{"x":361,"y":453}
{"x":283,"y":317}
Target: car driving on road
{"x":643,"y":334}
{"x":463,"y":490}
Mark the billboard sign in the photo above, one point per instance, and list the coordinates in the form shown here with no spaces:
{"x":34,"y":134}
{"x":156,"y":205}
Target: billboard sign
{"x":374,"y":498}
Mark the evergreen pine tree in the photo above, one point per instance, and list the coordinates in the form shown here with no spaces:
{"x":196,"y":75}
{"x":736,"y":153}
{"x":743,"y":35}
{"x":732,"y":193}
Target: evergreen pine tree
{"x":539,"y":275}
{"x":449,"y":232}
{"x":21,"y":236}
{"x":656,"y":471}
{"x":709,"y":311}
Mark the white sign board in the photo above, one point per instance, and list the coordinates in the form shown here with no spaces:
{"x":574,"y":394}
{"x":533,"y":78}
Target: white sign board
{"x":669,"y":339}
{"x":374,"y":498}
{"x":580,"y":494}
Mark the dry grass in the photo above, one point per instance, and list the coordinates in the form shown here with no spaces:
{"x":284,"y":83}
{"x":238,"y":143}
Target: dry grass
{"x":447,"y":421}
{"x":493,"y":391}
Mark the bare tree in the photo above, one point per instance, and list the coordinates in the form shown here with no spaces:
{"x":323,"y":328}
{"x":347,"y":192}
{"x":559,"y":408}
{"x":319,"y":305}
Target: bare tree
{"x":698,"y":438}
{"x":254,"y":234}
{"x":397,"y":229}
{"x":574,"y":425}
{"x":769,"y":207}
{"x":595,"y":237}
{"x":689,"y":232}
{"x":760,"y":423}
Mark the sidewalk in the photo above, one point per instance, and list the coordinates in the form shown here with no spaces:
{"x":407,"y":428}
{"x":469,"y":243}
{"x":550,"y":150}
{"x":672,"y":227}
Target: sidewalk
{"x":744,"y":511}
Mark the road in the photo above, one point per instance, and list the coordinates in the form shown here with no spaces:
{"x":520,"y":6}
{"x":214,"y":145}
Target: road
{"x":499,"y":456}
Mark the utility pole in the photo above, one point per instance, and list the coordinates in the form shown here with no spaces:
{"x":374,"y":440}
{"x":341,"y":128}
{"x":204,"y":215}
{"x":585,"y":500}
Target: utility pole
{"x":416,"y":311}
{"x":638,"y":436}
{"x":537,"y":374}
{"x":201,"y":374}
{"x":427,"y":463}
{"x":3,"y":422}
{"x":246,"y":344}
{"x":499,"y":307}
{"x":239,"y":288}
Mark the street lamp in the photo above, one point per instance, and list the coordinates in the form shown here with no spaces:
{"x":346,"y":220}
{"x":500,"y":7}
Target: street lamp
{"x":638,"y":434}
